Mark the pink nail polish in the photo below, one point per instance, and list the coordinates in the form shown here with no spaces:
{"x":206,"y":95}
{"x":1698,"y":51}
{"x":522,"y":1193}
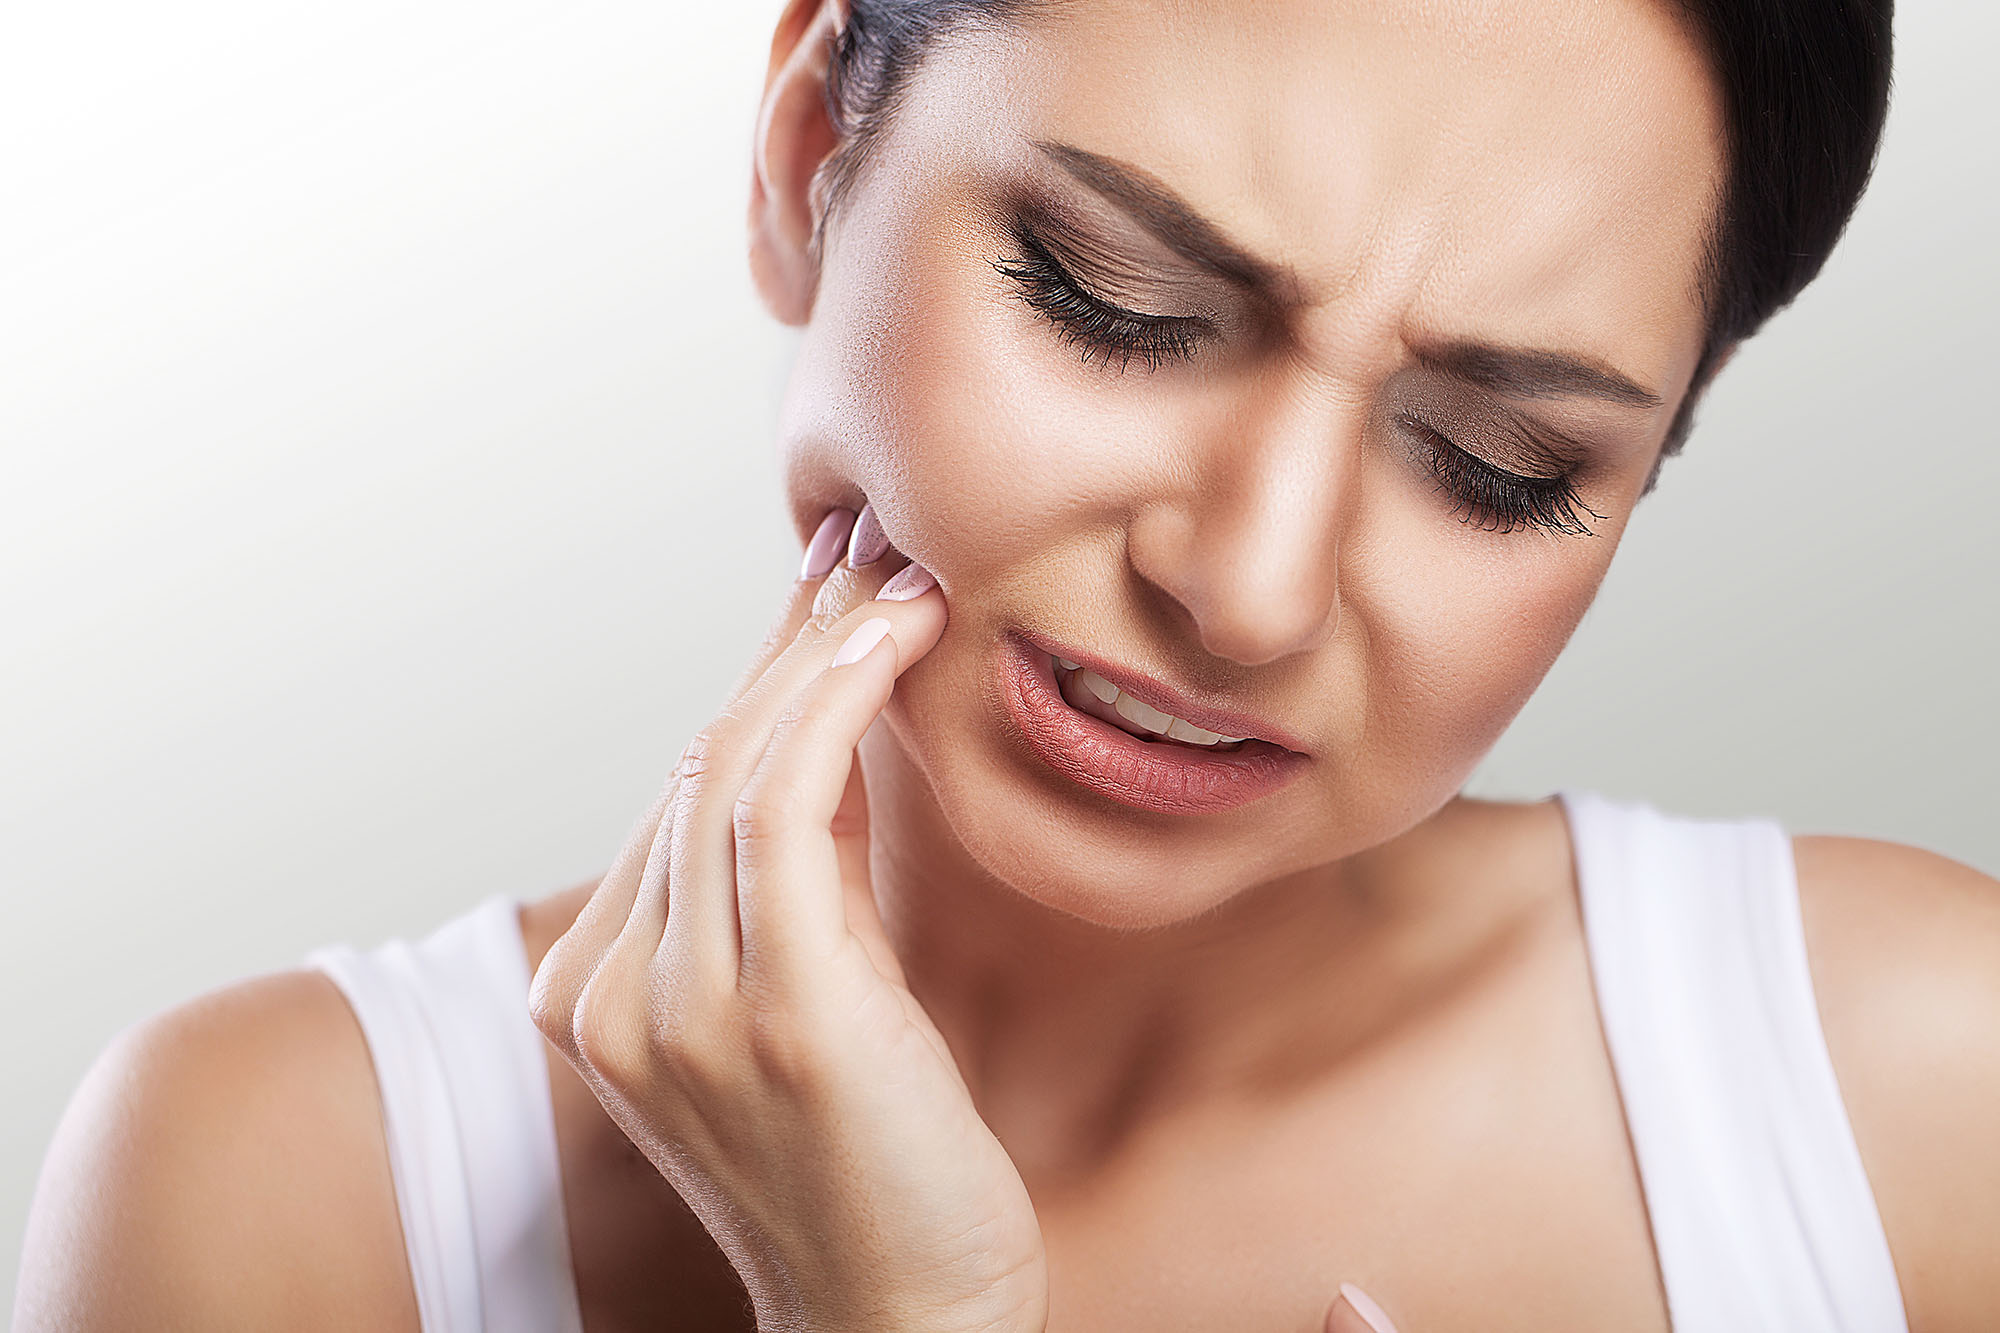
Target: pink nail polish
{"x":912,"y":582}
{"x":823,"y":551}
{"x":1371,"y":1313}
{"x":868,"y":543}
{"x":866,"y":635}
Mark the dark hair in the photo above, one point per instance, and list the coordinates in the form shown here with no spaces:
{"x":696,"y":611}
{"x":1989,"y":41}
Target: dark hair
{"x":1805,"y":90}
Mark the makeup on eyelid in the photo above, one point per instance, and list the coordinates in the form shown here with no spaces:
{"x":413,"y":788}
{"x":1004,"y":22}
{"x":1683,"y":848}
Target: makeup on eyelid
{"x":1485,"y":494}
{"x":1121,"y":275}
{"x":1108,"y":254}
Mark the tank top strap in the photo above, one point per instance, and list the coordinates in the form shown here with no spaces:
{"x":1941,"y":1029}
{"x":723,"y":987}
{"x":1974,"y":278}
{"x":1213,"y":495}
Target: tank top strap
{"x":1762,"y":1215}
{"x":460,"y":1069}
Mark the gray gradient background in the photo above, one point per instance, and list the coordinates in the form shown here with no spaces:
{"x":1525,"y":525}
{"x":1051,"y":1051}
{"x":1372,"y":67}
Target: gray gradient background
{"x":386,"y":489}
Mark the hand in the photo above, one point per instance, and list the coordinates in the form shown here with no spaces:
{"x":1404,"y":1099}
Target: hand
{"x":729,"y":996}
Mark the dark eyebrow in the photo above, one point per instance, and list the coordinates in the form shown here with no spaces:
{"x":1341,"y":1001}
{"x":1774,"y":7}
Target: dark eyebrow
{"x":1167,"y":215}
{"x":1517,"y":372}
{"x":1532,"y":373}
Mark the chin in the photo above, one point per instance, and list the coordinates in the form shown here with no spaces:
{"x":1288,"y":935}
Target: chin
{"x":1065,"y":848}
{"x":1133,"y":891}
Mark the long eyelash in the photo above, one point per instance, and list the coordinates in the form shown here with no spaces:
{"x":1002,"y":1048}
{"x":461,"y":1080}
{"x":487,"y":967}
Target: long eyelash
{"x":1103,"y":330}
{"x":1489,"y":497}
{"x":1496,"y":500}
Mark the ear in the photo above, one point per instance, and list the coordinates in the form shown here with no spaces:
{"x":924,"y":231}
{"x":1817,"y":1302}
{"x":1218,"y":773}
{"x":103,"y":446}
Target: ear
{"x":794,"y":136}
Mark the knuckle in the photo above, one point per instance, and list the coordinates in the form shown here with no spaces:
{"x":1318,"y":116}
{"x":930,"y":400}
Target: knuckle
{"x":679,"y":1040}
{"x":760,"y":813}
{"x":603,"y":1034}
{"x":781,"y":1048}
{"x":550,"y":1003}
{"x":689,"y":1040}
{"x":700,"y":755}
{"x":837,"y":596}
{"x":825,"y":619}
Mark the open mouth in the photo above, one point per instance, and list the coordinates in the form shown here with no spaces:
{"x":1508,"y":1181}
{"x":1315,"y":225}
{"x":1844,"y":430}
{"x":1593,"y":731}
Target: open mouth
{"x":1102,"y":736}
{"x":1088,"y":692}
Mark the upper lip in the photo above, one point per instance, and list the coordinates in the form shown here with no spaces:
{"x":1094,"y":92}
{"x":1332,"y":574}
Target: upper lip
{"x":1223,"y":721}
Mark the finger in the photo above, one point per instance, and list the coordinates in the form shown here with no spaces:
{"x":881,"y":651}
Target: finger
{"x":703,"y":932}
{"x":646,"y":922}
{"x":571,"y":961}
{"x":1356,"y":1312}
{"x":833,"y":603}
{"x":646,"y":897}
{"x":788,"y":870}
{"x":857,"y":882}
{"x":604,"y":915}
{"x":822,"y":557}
{"x":626,"y":916}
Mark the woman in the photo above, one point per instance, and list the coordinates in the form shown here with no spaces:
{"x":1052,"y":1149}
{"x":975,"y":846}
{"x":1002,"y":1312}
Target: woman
{"x":1212,"y":421}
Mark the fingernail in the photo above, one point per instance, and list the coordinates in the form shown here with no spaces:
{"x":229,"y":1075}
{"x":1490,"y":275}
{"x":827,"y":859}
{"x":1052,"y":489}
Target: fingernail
{"x":823,"y":551}
{"x":865,"y":547}
{"x":912,"y":582}
{"x":866,"y":635}
{"x":1371,"y":1313}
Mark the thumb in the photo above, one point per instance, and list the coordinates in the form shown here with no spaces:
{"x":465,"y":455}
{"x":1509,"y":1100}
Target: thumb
{"x":1355,"y":1312}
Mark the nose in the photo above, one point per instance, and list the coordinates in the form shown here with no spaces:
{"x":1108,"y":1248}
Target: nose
{"x":1249,"y":550}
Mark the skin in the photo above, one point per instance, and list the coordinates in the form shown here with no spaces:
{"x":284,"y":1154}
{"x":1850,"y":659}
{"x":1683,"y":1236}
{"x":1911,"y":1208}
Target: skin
{"x":1343,"y":1033}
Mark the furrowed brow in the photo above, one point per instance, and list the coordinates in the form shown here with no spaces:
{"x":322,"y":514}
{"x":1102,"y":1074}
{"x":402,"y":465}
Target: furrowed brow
{"x":1171,"y":218}
{"x":1513,"y":371}
{"x":1535,"y":373}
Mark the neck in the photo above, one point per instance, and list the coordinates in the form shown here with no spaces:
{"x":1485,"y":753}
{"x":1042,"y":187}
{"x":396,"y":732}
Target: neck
{"x":1071,"y":1035}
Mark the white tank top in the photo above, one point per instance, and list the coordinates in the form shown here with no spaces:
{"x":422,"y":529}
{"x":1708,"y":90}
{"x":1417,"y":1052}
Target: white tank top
{"x":1762,"y":1216}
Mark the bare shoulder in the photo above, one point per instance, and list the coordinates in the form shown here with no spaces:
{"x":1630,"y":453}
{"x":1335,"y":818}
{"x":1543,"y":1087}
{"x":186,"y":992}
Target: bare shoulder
{"x":1905,"y":954}
{"x":222,"y":1166}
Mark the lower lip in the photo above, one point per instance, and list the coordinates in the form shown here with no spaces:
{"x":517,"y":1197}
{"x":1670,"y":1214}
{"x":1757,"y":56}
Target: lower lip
{"x":1148,"y":775}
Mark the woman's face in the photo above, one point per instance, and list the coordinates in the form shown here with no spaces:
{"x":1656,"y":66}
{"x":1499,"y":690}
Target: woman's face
{"x":1416,"y":291}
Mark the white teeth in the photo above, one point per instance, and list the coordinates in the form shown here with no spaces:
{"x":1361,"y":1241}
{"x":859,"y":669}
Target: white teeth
{"x":1188,"y":731}
{"x":1102,"y":689}
{"x":1147,"y":716}
{"x":1141,"y":713}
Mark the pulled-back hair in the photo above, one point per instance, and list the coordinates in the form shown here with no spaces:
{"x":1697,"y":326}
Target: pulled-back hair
{"x":1805,"y":91}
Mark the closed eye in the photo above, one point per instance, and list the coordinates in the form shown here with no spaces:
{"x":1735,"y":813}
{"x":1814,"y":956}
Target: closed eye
{"x":1103,"y":329}
{"x":1496,"y":499}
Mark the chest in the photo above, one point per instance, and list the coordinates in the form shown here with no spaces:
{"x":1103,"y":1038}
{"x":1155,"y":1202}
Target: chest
{"x":1476,"y":1177}
{"x":1471,"y":1171}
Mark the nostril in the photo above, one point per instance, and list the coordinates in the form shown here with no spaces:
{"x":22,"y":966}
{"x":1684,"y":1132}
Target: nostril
{"x":1255,"y":626}
{"x":1251,"y":575}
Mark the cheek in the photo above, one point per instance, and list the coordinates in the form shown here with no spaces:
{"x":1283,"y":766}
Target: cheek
{"x":1460,"y":628}
{"x":1014,"y":472}
{"x":985,"y":447}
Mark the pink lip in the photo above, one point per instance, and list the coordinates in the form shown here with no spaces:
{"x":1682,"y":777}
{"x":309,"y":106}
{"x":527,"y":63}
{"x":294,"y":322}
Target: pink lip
{"x":1149,"y":775}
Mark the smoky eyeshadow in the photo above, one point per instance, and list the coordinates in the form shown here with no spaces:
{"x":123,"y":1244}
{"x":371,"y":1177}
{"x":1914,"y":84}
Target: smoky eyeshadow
{"x":1119,"y":263}
{"x":1113,"y":258}
{"x":1083,"y":234}
{"x":1504,"y":435}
